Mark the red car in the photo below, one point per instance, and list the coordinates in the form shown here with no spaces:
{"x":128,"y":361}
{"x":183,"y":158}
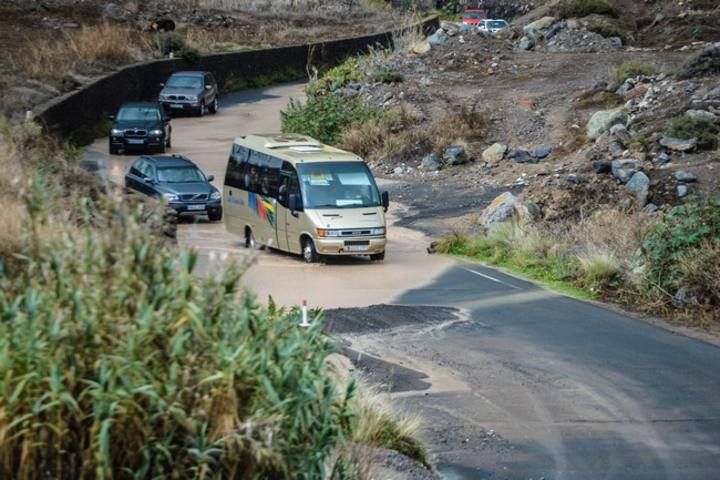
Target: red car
{"x":473,"y":16}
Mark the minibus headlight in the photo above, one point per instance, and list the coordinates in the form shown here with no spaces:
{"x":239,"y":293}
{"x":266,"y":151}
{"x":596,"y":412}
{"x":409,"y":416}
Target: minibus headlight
{"x":323,"y":232}
{"x":378,"y":231}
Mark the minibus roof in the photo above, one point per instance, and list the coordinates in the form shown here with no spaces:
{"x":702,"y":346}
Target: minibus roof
{"x":295,"y":148}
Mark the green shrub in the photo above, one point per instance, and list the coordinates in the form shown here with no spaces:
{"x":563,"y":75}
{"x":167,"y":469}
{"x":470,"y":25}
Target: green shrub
{"x":686,"y":127}
{"x":117,"y":362}
{"x":607,"y":30}
{"x":325,"y":118}
{"x":189,"y":54}
{"x":583,"y":8}
{"x":632,"y":69}
{"x":168,"y":42}
{"x":681,"y":233}
{"x":335,"y":78}
{"x":236,"y":83}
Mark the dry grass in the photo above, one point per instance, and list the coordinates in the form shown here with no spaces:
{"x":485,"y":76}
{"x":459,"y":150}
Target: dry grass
{"x":106,"y":43}
{"x":378,"y":424}
{"x":388,"y":135}
{"x":598,"y":267}
{"x":466,"y":124}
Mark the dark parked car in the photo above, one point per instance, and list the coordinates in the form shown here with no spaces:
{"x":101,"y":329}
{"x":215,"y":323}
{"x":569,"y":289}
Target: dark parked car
{"x":140,"y":125}
{"x":179,"y":182}
{"x":195,"y":92}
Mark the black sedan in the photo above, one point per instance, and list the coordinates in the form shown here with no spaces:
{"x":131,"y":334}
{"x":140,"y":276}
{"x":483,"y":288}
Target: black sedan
{"x":140,"y":125}
{"x":179,"y":182}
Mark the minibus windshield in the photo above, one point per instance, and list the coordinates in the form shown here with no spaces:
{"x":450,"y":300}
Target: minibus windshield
{"x":337,"y":185}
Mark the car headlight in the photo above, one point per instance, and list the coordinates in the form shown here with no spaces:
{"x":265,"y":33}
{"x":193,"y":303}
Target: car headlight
{"x":192,"y":98}
{"x":156,"y":133}
{"x":170,"y":197}
{"x":215,"y":196}
{"x":377,"y":231}
{"x":115,"y":132}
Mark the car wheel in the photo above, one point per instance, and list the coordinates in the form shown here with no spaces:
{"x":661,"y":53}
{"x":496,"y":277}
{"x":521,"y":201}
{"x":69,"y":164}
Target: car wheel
{"x":250,"y":240}
{"x":309,"y":253}
{"x":113,"y":150}
{"x":202,"y":110}
{"x":377,"y":257}
{"x":168,"y":143}
{"x":215,"y":215}
{"x":214,"y":107}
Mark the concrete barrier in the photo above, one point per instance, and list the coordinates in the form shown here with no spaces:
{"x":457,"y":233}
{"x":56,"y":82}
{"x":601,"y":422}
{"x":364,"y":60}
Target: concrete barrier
{"x":84,"y":108}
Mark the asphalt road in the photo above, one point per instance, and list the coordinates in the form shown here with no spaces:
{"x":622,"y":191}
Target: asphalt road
{"x":523,"y":384}
{"x":556,"y":388}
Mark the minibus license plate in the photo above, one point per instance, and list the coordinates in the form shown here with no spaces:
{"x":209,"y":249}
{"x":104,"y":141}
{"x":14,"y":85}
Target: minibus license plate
{"x":196,"y":207}
{"x":356,"y":248}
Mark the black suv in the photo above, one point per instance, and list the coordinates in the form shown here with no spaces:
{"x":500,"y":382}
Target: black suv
{"x":195,"y":92}
{"x":179,"y":182}
{"x":140,"y":125}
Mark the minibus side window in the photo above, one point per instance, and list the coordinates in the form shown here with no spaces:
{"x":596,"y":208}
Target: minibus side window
{"x":263,"y":174}
{"x":237,"y":166}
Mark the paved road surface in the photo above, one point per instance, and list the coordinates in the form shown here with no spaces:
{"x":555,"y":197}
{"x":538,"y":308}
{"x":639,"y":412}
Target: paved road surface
{"x":528,"y":385}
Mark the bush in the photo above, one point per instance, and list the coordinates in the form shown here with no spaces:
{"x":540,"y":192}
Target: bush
{"x":682,"y":233}
{"x":325,"y":118}
{"x":335,"y":78}
{"x":633,"y":69}
{"x":116,"y":361}
{"x":189,"y":54}
{"x":168,"y":42}
{"x":607,"y":30}
{"x":583,"y":8}
{"x":686,"y":127}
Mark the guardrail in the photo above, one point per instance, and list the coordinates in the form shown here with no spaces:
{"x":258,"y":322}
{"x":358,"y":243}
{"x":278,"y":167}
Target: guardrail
{"x":84,"y":108}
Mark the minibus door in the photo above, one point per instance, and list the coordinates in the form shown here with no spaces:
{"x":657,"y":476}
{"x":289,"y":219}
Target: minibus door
{"x":288,"y":224}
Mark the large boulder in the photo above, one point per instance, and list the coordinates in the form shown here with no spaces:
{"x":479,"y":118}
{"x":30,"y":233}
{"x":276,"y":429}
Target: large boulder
{"x":508,"y":207}
{"x":421,"y":48}
{"x":702,"y":115}
{"x":639,"y":186}
{"x":679,"y":144}
{"x":526,"y":43}
{"x":430,"y":162}
{"x":439,"y":37}
{"x":455,"y":155}
{"x":494,"y":153}
{"x":601,"y":121}
{"x":624,"y":170}
{"x":705,"y":63}
{"x":533,"y":29}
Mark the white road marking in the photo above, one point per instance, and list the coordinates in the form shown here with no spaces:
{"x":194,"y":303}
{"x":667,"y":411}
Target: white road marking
{"x":488,"y":277}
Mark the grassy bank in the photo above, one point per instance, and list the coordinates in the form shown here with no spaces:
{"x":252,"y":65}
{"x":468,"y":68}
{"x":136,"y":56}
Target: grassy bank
{"x":664,"y":265}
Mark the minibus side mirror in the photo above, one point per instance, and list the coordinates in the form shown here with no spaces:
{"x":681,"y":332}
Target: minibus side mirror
{"x":385,"y":200}
{"x":295,"y":203}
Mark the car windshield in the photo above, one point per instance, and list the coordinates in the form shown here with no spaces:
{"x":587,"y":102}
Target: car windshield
{"x":184,"y":81}
{"x":180,"y":175}
{"x":138,"y":113}
{"x":497,"y":24}
{"x":338,"y":185}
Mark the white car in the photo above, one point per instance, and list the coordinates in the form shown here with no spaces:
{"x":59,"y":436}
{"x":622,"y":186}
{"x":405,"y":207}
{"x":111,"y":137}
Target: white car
{"x":492,"y":26}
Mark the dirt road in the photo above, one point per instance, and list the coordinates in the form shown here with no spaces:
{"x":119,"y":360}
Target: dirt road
{"x":340,"y":283}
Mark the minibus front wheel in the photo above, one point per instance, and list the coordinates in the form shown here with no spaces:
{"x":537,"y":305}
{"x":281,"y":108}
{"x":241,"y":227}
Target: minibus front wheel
{"x":377,"y":257}
{"x":309,"y":253}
